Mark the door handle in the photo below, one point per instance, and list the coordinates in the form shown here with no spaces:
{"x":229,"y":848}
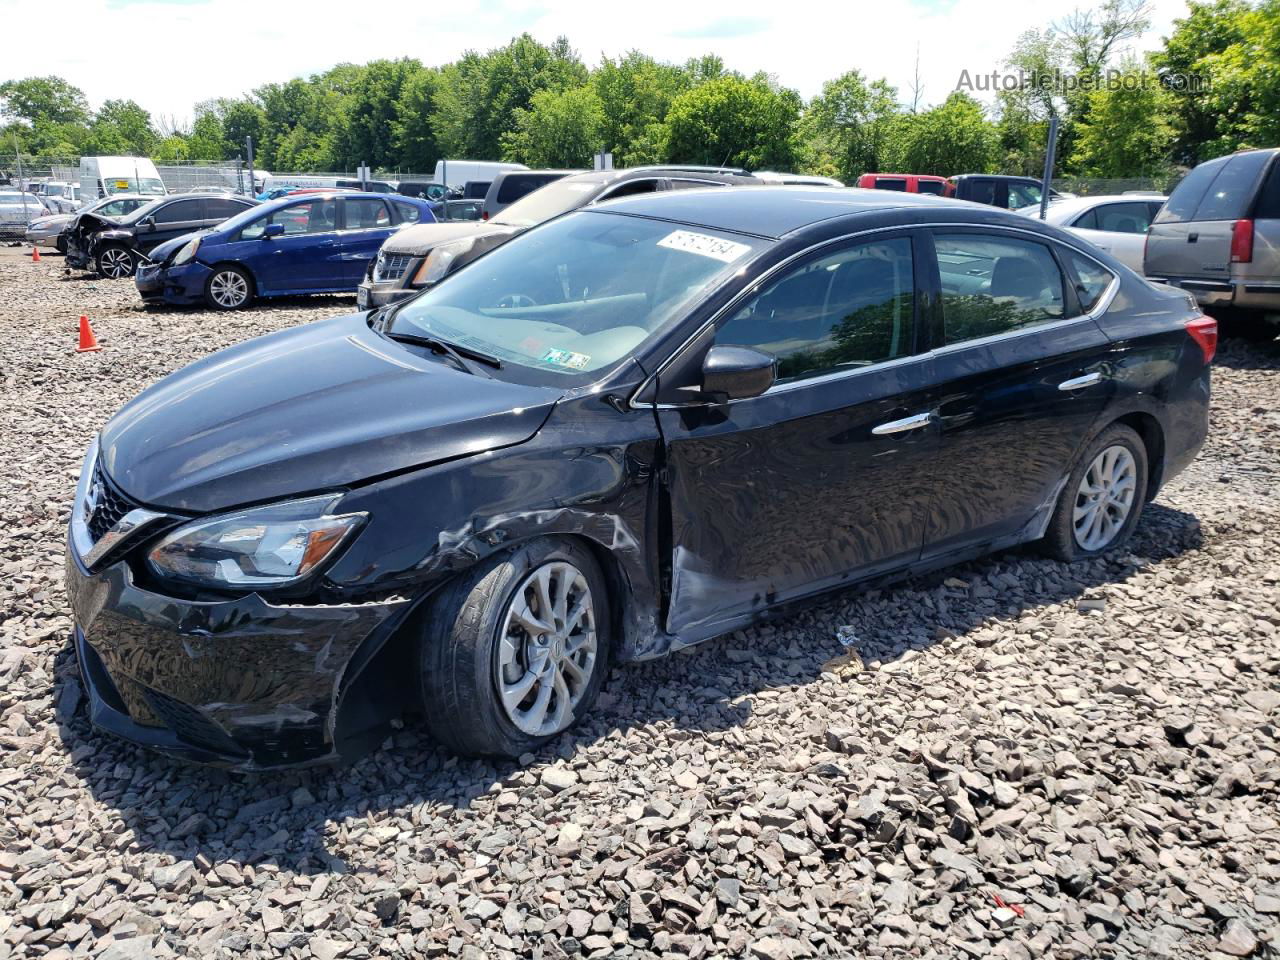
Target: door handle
{"x":1075,"y":383}
{"x":1192,"y":237}
{"x":902,"y":426}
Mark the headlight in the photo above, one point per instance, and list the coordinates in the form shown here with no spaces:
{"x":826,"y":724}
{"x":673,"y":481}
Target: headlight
{"x":262,"y":547}
{"x":440,"y":259}
{"x":187,"y":252}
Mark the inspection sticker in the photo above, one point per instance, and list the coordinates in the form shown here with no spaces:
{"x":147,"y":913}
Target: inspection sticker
{"x":566,"y":358}
{"x":704,"y":245}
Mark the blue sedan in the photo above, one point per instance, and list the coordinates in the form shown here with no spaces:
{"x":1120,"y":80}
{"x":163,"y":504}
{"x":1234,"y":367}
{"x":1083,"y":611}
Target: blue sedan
{"x":314,"y":243}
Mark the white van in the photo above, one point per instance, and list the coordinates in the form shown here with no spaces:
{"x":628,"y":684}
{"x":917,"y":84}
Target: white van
{"x":102,"y":176}
{"x":286,"y":181}
{"x":455,"y":173}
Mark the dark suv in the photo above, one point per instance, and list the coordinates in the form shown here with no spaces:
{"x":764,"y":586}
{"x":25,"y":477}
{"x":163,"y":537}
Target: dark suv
{"x":113,"y":246}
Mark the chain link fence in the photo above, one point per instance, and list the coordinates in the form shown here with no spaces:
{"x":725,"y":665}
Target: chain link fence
{"x":1100,"y":187}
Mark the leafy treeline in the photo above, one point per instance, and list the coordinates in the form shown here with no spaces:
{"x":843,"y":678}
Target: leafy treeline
{"x":1211,"y":88}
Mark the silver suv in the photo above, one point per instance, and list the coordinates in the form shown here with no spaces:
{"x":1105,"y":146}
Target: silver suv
{"x":1218,"y":235}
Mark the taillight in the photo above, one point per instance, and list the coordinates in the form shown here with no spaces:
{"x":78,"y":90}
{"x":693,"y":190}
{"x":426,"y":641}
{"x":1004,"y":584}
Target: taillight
{"x":484,"y":214}
{"x":1204,"y":331}
{"x":1242,"y":241}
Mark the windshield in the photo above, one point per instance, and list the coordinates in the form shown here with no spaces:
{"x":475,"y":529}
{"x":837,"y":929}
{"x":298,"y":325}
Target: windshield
{"x":555,"y":198}
{"x":146,"y":185}
{"x":576,"y":295}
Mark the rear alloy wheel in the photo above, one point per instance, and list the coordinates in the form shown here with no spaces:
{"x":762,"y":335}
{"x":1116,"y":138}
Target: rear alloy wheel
{"x":228,"y":289}
{"x":116,"y":262}
{"x":1102,"y":499}
{"x":514,"y":651}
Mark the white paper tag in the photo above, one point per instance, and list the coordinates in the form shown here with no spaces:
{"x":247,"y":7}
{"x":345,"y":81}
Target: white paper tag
{"x":704,"y":245}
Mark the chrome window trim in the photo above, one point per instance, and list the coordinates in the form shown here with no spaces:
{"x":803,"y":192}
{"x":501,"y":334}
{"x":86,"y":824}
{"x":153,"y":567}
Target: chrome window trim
{"x":1103,"y":304}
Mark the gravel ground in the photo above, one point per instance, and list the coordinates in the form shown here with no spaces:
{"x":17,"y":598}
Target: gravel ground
{"x":1014,"y":758}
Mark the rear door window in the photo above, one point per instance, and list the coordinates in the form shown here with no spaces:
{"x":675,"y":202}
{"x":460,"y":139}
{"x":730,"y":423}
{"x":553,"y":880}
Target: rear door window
{"x":1023,"y":195}
{"x":365,"y":213}
{"x":930,"y":186}
{"x":220,"y":208}
{"x":1123,"y":217}
{"x":995,"y":284}
{"x":1231,"y":194}
{"x":181,"y":211}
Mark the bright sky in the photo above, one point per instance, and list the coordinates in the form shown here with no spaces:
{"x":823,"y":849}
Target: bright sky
{"x":169,"y":54}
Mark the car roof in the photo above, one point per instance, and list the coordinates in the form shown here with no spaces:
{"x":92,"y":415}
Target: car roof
{"x":768,"y":211}
{"x":638,"y":173}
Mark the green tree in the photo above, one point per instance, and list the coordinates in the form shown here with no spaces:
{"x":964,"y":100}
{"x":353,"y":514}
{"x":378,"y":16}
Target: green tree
{"x":954,"y":137}
{"x":635,"y":92}
{"x":735,"y":122}
{"x":848,"y":125}
{"x":560,"y":129}
{"x":122,"y":127}
{"x":368,"y":132}
{"x":477,"y":100}
{"x":1126,"y":133}
{"x":1245,"y":91}
{"x":43,"y":99}
{"x":415,"y":131}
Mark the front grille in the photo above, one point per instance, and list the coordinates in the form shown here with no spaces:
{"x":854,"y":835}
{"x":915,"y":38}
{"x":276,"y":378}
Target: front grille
{"x":191,"y":725}
{"x":110,"y":507}
{"x":391,"y":266}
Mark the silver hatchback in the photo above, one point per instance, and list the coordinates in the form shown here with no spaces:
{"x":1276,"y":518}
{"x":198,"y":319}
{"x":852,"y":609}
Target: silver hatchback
{"x":1218,"y":234}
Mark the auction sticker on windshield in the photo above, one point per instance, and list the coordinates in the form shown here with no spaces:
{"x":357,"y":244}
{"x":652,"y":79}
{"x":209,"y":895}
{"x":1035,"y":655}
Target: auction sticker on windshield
{"x":566,"y":358}
{"x":704,"y":245}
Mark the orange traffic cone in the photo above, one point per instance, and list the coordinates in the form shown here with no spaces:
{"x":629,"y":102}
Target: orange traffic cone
{"x":35,"y":254}
{"x":88,"y":342}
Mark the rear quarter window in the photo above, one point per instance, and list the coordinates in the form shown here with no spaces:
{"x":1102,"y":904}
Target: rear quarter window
{"x":1231,"y":194}
{"x":930,"y":186}
{"x":891,"y":183}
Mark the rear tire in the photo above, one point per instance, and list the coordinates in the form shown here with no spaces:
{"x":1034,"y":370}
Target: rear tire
{"x":1103,"y":497}
{"x":484,"y":667}
{"x":115,"y":262}
{"x":61,"y":245}
{"x":228,"y":288}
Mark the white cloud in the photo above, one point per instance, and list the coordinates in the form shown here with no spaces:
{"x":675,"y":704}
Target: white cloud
{"x":170,"y":55}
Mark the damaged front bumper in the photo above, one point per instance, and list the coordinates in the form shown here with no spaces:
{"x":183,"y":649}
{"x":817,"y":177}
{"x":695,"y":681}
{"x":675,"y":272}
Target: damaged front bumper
{"x":238,"y":683}
{"x":164,"y":283}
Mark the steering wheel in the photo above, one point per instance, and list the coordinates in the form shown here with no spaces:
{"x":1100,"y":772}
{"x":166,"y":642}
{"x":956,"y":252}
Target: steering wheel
{"x":516,"y":300}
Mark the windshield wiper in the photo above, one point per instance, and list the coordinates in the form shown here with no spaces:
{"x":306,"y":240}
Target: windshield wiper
{"x":459,"y":356}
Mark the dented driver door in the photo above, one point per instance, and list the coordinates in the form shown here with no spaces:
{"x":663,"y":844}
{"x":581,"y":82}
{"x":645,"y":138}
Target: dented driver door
{"x":826,"y":477}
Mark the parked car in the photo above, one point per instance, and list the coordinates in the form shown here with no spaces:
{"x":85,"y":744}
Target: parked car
{"x":421,"y":256}
{"x":319,"y":243}
{"x":103,"y":176}
{"x":1116,"y":224}
{"x":904,"y":183}
{"x":423,"y":189}
{"x":509,"y":186}
{"x":456,"y":173}
{"x":114,"y":247}
{"x":634,"y":427}
{"x":996,"y":190}
{"x":458,"y":209}
{"x":50,"y":231}
{"x":16,"y":211}
{"x":777,"y":178}
{"x":1218,"y":236}
{"x":276,"y":181}
{"x":60,"y":196}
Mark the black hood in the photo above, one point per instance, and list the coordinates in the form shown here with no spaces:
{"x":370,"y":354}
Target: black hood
{"x":313,"y":408}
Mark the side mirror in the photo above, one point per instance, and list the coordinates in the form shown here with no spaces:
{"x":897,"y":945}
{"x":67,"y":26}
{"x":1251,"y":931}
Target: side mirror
{"x":736,"y":373}
{"x":272,"y":230}
{"x":147,"y":223}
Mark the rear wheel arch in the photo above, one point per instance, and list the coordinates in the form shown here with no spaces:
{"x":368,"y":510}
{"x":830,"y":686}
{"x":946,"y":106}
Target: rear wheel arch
{"x":1149,"y":428}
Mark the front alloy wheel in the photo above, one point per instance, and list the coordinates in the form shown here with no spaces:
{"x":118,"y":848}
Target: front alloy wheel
{"x":513,"y":651}
{"x":115,"y":263}
{"x":228,"y":289}
{"x":547,"y":650}
{"x":1104,"y":498}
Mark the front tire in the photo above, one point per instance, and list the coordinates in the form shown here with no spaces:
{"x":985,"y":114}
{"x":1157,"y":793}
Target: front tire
{"x":1103,"y":498}
{"x":115,"y":262}
{"x":228,"y":288}
{"x":515,"y":650}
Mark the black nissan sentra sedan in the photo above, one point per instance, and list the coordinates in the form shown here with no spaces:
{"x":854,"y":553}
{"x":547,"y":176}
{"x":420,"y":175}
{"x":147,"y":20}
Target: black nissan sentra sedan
{"x":625,"y":431}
